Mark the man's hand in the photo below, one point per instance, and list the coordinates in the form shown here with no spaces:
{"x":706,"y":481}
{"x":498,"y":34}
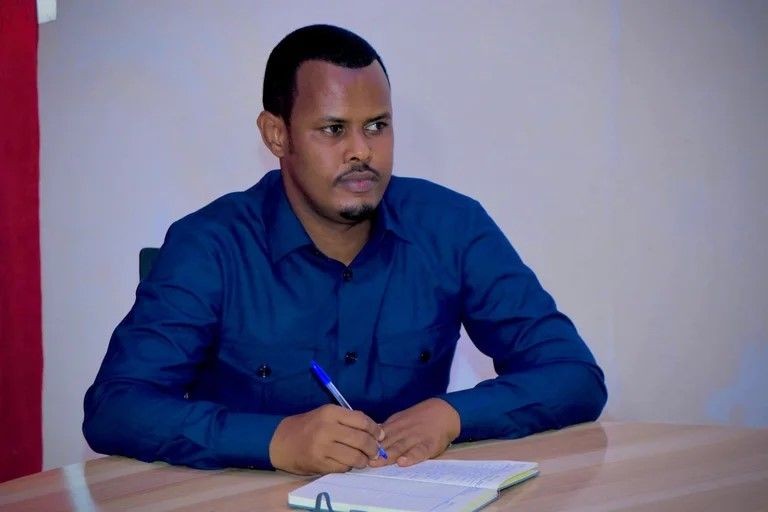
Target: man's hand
{"x":329,"y":439}
{"x":419,"y":432}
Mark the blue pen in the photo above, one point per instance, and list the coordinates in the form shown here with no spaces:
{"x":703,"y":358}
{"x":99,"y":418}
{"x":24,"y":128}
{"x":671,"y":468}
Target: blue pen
{"x":326,"y":380}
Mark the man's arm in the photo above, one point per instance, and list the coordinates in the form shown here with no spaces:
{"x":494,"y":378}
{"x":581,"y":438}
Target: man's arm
{"x":138,"y":404}
{"x":547,"y":377}
{"x":142,"y":402}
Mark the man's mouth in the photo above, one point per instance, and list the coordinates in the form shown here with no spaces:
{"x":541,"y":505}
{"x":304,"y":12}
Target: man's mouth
{"x":358,"y":180}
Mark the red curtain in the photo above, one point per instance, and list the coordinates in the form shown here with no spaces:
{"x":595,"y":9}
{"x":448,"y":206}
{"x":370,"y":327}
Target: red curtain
{"x":21,"y":347}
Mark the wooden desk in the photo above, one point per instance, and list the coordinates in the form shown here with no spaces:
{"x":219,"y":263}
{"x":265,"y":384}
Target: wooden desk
{"x":592,"y":467}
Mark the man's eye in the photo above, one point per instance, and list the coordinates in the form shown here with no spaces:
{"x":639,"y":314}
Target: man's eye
{"x":333,"y":129}
{"x":376,"y":127}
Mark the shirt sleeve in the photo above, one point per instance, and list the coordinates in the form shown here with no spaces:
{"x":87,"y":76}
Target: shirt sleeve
{"x":138,"y":405}
{"x":547,"y":376}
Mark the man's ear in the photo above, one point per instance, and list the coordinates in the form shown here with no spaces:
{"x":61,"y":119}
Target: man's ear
{"x":274,"y":133}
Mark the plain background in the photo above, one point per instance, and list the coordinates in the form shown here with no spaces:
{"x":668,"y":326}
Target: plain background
{"x":621,"y":146}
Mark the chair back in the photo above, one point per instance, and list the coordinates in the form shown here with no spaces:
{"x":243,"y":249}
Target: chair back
{"x":146,"y":258}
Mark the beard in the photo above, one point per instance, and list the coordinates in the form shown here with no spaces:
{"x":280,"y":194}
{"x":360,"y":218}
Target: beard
{"x":362,"y":212}
{"x":359,"y":213}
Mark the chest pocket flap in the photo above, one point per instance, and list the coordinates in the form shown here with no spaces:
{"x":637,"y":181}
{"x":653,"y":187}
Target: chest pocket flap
{"x":426,"y":347}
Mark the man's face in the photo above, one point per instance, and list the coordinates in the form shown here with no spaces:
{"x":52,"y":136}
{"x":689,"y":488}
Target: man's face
{"x":339,"y":159}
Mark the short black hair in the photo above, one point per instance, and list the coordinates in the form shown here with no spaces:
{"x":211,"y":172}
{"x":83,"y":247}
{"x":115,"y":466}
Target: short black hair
{"x":314,"y":42}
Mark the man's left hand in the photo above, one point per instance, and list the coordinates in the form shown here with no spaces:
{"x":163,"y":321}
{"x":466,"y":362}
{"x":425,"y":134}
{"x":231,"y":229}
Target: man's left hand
{"x":419,"y":432}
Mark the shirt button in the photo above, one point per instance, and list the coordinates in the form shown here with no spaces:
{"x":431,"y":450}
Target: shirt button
{"x":347,"y":275}
{"x":350,"y":357}
{"x":264,"y":371}
{"x":425,"y":356}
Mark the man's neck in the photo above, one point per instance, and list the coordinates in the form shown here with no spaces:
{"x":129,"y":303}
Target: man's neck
{"x":339,"y":242}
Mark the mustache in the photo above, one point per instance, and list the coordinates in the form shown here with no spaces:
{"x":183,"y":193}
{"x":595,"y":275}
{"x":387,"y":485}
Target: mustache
{"x":358,"y":168}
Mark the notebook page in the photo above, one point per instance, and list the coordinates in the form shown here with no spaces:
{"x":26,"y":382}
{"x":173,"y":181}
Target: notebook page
{"x":489,"y":474}
{"x":359,"y":492}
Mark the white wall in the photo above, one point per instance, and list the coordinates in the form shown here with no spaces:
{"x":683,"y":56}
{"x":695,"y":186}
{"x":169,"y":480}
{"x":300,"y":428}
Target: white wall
{"x":620,"y":145}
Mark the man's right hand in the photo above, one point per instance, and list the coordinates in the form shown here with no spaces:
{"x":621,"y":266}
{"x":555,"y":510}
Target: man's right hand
{"x":329,"y":439}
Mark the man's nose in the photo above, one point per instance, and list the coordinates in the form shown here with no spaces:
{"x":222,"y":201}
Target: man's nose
{"x":359,"y":147}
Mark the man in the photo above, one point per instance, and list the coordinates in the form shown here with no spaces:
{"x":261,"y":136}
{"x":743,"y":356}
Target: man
{"x":332,"y":259}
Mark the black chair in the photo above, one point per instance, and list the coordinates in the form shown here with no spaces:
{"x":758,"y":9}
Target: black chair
{"x":146,"y":258}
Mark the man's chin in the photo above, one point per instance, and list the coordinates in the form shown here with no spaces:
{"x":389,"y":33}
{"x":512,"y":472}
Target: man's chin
{"x":358,"y":213}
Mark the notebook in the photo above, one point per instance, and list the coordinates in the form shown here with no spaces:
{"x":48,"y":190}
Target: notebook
{"x":432,"y":485}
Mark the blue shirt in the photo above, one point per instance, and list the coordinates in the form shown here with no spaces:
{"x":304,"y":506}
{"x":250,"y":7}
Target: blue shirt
{"x":217,"y":347}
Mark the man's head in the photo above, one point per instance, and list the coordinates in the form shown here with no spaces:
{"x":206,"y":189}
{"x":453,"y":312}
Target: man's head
{"x":325,"y":43}
{"x":327,"y":117}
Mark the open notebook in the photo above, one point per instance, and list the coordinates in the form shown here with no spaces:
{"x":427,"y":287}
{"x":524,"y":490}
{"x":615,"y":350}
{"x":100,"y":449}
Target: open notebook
{"x":432,"y":485}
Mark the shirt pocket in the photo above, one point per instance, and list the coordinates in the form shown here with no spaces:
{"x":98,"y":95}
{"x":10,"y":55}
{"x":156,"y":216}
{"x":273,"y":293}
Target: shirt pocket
{"x":282,"y":380}
{"x":415,"y":365}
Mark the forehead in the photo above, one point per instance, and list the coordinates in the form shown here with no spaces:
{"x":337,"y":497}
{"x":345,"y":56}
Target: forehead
{"x":325,"y":89}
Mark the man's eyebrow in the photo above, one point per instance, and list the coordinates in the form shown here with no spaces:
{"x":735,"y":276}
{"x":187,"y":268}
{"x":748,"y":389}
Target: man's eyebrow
{"x":384,"y":116}
{"x":333,"y":120}
{"x":338,"y":120}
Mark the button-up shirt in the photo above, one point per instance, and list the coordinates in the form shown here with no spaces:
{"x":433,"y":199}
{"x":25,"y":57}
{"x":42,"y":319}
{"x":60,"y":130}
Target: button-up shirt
{"x":216,"y":350}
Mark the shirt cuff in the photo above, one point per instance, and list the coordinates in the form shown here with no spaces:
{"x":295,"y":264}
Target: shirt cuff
{"x":245,"y":440}
{"x":479,"y":412}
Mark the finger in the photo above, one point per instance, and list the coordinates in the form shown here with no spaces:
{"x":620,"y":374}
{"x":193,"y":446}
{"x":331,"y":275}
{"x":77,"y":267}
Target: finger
{"x":360,"y":421}
{"x":359,"y":440}
{"x":396,"y":448}
{"x":398,"y":432}
{"x":333,"y":466}
{"x":416,"y":453}
{"x":381,"y":461}
{"x":399,"y":440}
{"x":397,"y":425}
{"x":347,"y":456}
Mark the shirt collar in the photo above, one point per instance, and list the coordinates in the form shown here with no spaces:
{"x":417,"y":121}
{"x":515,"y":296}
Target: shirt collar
{"x":284,"y":231}
{"x":388,"y":217}
{"x":286,"y":234}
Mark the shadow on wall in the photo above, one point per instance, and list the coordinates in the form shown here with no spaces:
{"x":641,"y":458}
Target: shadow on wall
{"x":735,"y":404}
